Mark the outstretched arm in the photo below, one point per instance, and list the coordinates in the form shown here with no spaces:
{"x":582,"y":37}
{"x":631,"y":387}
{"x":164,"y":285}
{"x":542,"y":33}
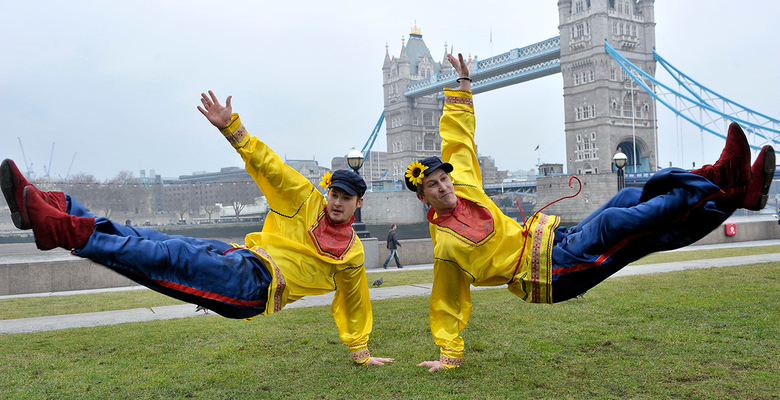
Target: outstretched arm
{"x":218,"y":115}
{"x":285,"y":189}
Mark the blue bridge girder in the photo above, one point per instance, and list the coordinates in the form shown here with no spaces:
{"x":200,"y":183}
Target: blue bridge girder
{"x":515,"y":66}
{"x":527,"y":188}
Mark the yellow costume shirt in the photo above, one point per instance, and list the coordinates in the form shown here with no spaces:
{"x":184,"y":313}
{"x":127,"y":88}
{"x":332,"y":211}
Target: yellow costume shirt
{"x":310,"y":255}
{"x":475,"y":243}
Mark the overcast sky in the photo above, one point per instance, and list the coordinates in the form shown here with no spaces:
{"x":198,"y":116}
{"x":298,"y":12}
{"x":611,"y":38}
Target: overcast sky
{"x":118,"y":82}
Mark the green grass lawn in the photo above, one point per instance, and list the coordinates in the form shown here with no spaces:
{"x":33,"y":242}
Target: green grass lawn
{"x":697,"y":334}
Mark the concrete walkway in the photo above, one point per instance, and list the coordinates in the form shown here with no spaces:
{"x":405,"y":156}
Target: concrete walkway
{"x":39,"y":324}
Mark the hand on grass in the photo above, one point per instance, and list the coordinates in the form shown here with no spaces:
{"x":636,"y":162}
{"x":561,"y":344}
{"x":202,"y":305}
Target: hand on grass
{"x":378,"y":361}
{"x":435,"y":365}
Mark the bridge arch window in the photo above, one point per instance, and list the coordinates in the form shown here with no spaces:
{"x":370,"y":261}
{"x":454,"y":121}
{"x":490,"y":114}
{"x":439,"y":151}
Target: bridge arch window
{"x":592,"y":75}
{"x":430,"y":141}
{"x":428,"y":119}
{"x":580,"y":30}
{"x":612,"y":74}
{"x":627,"y":112}
{"x":578,"y":115}
{"x":415,"y":119}
{"x":576,"y":78}
{"x":592,"y":110}
{"x":578,"y":6}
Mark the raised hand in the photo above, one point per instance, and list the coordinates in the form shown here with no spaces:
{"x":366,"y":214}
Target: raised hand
{"x":462,"y":69}
{"x":218,"y":115}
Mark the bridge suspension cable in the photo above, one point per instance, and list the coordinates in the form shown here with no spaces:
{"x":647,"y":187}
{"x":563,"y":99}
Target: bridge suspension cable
{"x":372,"y":138}
{"x":714,"y":111}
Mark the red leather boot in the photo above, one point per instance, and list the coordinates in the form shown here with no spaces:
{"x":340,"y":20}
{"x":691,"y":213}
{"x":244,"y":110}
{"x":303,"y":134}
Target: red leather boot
{"x":54,"y":228}
{"x":13,"y":183}
{"x":754,"y":195}
{"x":733,"y":167}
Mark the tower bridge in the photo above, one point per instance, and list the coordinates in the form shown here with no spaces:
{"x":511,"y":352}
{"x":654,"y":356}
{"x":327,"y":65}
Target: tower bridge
{"x":606,"y":57}
{"x":604,"y":111}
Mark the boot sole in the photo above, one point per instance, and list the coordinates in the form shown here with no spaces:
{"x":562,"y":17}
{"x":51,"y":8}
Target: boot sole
{"x":8,"y":187}
{"x":769,"y":173}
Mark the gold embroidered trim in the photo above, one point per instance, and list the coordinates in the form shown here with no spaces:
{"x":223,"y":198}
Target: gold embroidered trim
{"x":450,"y":361}
{"x":235,"y":138}
{"x":536,"y":251}
{"x":280,"y":282}
{"x":459,"y":100}
{"x":361,"y":356}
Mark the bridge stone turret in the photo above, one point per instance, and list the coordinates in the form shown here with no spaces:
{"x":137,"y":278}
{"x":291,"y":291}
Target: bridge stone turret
{"x":605,"y":112}
{"x":412,"y":122}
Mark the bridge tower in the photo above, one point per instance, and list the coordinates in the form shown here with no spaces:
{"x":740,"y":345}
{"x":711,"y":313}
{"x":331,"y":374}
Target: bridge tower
{"x":412,"y":123}
{"x":605,"y":112}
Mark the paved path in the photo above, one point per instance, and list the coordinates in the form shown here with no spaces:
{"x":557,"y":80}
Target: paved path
{"x":39,"y":324}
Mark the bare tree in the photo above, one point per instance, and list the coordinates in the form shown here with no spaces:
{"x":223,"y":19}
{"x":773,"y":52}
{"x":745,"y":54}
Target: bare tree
{"x":239,"y":194}
{"x":178,"y":201}
{"x":211,"y":208}
{"x":83,"y":187}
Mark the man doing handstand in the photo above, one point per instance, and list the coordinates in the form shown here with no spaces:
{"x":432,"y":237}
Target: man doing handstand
{"x":307,"y":245}
{"x":474,"y":243}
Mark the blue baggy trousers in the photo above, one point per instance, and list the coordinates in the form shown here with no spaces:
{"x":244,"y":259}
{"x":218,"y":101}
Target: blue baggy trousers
{"x":233,"y":282}
{"x":673,"y":210}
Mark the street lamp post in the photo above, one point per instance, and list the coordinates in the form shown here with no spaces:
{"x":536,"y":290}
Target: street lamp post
{"x":620,"y":160}
{"x":355,"y":161}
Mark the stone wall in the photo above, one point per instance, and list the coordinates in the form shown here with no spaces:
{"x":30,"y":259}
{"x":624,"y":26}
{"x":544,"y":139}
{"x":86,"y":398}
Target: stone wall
{"x":596,"y":190}
{"x":385,"y":208}
{"x":57,"y":276}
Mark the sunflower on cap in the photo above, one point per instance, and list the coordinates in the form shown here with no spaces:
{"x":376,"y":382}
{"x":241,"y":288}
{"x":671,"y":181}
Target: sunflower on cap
{"x":419,"y":169}
{"x":326,"y":179}
{"x":415,"y":172}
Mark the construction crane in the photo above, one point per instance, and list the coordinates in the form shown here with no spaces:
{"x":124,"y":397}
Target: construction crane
{"x":47,"y":171}
{"x":28,"y":166}
{"x":71,"y":166}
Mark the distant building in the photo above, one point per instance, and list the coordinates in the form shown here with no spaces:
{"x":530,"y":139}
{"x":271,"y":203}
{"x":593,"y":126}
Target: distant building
{"x":550,"y":169}
{"x":522,"y":175}
{"x":310,"y":169}
{"x":374,"y":169}
{"x":490,"y":174}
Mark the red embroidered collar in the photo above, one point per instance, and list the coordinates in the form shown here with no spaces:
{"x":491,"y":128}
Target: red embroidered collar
{"x":332,"y":240}
{"x":468,"y":220}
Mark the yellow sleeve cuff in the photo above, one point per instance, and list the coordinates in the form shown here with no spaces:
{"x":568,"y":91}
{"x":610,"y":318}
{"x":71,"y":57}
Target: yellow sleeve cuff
{"x":235,"y":133}
{"x":458,"y":99}
{"x":360,"y":353}
{"x":450,"y":359}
